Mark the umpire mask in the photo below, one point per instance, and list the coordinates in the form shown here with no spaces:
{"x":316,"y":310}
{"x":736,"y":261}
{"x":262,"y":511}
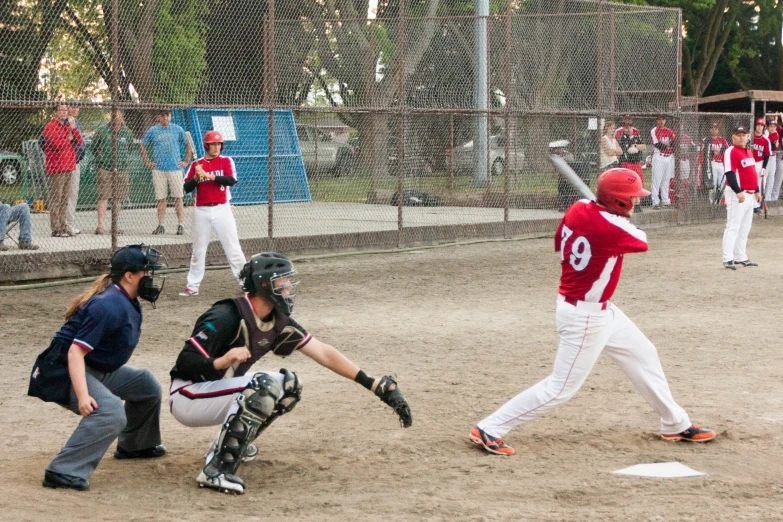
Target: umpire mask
{"x":134,"y":258}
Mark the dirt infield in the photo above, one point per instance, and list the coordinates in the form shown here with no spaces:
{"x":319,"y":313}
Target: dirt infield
{"x":463,"y":329}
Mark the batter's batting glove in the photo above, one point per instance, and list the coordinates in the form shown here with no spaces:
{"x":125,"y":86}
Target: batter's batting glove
{"x":389,"y":392}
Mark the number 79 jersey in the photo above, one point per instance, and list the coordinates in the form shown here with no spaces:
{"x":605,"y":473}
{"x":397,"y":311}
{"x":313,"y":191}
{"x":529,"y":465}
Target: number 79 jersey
{"x":592,"y":241}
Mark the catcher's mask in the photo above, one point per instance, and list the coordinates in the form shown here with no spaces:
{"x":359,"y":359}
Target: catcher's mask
{"x":135,"y":258}
{"x":271,"y":276}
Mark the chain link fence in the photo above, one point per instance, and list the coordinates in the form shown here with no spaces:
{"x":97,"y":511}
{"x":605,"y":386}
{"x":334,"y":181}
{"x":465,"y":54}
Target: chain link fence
{"x":395,"y":124}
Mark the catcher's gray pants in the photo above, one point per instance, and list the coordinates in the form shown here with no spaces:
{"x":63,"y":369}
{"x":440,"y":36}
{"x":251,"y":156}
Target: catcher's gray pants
{"x":137,"y":424}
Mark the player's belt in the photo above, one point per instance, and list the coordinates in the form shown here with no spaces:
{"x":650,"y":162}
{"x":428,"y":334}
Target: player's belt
{"x":584,"y":304}
{"x":209,"y":204}
{"x":749,"y":191}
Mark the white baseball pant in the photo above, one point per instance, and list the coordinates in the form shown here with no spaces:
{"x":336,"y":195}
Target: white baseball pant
{"x":717,"y":174}
{"x":585,"y":331}
{"x":685,"y":169}
{"x":662,"y":173}
{"x":759,"y":164}
{"x":209,"y":403}
{"x":739,"y":218}
{"x":219,"y":218}
{"x":769,"y":182}
{"x":779,"y":178}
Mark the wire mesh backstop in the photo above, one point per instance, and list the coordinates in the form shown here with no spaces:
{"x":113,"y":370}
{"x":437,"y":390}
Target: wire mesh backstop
{"x":352,"y":123}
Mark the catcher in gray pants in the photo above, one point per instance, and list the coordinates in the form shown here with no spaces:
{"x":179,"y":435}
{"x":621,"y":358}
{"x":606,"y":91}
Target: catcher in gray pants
{"x":212,"y":384}
{"x":84,"y":370}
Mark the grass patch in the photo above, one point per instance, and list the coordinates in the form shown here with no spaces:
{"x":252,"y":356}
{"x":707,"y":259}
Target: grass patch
{"x":10,"y":193}
{"x":354,"y":189}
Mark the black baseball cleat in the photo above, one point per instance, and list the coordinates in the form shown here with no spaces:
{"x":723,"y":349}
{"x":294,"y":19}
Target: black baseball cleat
{"x":747,"y":262}
{"x":61,"y":480}
{"x":146,"y":453}
{"x":730,"y":265}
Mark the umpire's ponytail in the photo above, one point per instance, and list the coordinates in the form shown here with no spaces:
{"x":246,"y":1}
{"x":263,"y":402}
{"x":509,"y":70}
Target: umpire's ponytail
{"x":100,"y":284}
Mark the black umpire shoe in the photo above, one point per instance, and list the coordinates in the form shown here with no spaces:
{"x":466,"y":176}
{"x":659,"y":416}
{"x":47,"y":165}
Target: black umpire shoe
{"x":60,"y":480}
{"x":146,"y":453}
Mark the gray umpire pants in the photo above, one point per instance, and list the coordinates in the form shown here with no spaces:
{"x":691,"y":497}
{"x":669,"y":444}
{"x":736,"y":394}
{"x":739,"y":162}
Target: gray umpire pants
{"x":137,"y":424}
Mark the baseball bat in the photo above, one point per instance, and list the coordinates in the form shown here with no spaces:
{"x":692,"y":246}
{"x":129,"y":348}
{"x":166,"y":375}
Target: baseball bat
{"x":764,"y":196}
{"x":572,"y":177}
{"x":192,"y":145}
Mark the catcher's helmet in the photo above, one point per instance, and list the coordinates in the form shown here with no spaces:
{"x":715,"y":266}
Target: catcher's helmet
{"x":213,"y":137}
{"x":616,"y":187}
{"x":261,"y":274}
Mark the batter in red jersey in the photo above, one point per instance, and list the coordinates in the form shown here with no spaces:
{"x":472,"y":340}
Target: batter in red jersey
{"x":592,"y":239}
{"x":741,"y":193}
{"x":211,"y":177}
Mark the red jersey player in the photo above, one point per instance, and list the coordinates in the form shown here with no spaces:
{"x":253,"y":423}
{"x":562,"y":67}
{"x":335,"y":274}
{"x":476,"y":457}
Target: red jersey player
{"x":762,"y":150}
{"x":741,"y":192}
{"x":592,"y":239}
{"x":211,"y":177}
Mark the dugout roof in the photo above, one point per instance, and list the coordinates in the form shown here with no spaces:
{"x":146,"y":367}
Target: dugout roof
{"x":756,"y":101}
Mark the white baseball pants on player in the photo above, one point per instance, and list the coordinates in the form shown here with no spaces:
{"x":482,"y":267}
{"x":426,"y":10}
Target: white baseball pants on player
{"x":769,"y":182}
{"x":662,"y":173}
{"x":219,"y":218}
{"x":209,"y":403}
{"x":717,"y":174}
{"x":585,"y":331}
{"x":779,"y":177}
{"x":739,"y":218}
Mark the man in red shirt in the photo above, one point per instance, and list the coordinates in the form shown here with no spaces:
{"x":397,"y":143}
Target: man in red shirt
{"x":741,"y":192}
{"x":628,"y":129}
{"x":762,"y":150}
{"x":60,"y":136}
{"x":211,"y":177}
{"x":662,"y":139}
{"x":592,"y":239}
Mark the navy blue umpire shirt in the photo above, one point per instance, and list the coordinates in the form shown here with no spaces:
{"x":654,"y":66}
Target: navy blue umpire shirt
{"x":108,"y":327}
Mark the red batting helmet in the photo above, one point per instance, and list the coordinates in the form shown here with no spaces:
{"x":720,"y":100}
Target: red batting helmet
{"x":616,"y":187}
{"x":760,"y":121}
{"x":213,"y":137}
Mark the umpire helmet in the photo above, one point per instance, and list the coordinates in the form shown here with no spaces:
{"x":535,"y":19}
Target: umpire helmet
{"x":213,"y":137}
{"x":261,"y":274}
{"x":616,"y":187}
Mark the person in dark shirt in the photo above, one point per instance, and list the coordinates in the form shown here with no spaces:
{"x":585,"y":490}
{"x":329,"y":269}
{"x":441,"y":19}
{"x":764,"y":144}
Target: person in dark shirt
{"x":211,"y":382}
{"x":102,"y":330}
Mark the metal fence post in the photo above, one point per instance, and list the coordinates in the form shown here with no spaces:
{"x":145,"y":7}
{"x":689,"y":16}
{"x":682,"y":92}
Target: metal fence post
{"x":269,"y":64}
{"x":115,"y":61}
{"x":400,"y":122}
{"x":507,"y":122}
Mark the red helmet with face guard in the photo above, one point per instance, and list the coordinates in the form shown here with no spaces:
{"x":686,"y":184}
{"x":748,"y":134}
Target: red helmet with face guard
{"x":213,"y":137}
{"x":616,"y":187}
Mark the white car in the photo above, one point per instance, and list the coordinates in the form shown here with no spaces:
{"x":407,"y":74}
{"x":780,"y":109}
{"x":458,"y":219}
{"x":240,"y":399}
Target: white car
{"x":463,"y":156}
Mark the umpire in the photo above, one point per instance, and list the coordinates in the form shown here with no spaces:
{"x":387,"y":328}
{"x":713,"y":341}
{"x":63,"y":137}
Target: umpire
{"x":84,"y":370}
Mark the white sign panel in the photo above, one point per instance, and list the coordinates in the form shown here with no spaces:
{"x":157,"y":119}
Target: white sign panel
{"x":592,"y":124}
{"x":225,"y":126}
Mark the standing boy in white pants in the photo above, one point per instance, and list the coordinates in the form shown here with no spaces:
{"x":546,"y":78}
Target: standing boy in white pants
{"x":761,"y":150}
{"x":662,"y":161}
{"x":741,"y":193}
{"x":211,"y":177}
{"x":772,"y":166}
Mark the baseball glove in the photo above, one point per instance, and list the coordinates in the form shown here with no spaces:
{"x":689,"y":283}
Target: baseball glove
{"x":389,"y":392}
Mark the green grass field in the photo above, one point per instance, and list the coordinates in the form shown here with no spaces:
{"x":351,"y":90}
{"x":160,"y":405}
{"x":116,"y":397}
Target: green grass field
{"x":10,"y":193}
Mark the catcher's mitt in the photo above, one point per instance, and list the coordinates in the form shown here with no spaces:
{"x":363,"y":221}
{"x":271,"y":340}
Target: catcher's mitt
{"x":389,"y":392}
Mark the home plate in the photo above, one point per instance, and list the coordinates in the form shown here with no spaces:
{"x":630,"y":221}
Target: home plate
{"x":661,"y":470}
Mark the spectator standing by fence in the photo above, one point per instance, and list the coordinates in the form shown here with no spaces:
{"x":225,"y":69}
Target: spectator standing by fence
{"x":73,"y":199}
{"x":775,"y":195}
{"x":60,"y":136}
{"x":112,"y":184}
{"x":610,"y":148}
{"x":167,"y":141}
{"x":626,"y":128}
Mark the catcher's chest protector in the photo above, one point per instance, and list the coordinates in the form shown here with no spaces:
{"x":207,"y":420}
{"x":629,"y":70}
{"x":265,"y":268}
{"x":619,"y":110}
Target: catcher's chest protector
{"x":258,"y":341}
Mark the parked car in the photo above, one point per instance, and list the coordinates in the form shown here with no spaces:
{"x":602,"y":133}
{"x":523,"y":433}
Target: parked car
{"x":333,"y":156}
{"x":12,"y":167}
{"x":463,"y":156}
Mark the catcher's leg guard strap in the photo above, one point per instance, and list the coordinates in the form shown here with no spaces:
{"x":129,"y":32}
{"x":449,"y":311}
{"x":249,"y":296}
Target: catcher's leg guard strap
{"x":292,"y":391}
{"x":257,"y":404}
